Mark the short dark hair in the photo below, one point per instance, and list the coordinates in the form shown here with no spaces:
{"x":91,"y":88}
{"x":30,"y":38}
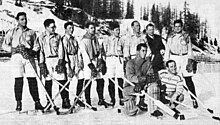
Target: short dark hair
{"x":150,"y":24}
{"x":67,"y":24}
{"x":168,"y":62}
{"x":178,"y":21}
{"x":114,"y":25}
{"x":132,"y":24}
{"x":47,"y":22}
{"x":141,"y":45}
{"x":89,"y":23}
{"x":20,"y":14}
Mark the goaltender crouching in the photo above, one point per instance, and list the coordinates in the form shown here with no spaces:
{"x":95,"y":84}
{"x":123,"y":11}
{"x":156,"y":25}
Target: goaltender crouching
{"x":172,"y":85}
{"x":139,"y":71}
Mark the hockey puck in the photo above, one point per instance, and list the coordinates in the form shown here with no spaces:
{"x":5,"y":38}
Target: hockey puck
{"x":119,"y":110}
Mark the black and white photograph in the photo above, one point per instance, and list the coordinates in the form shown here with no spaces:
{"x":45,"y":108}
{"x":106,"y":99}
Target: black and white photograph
{"x":109,"y":62}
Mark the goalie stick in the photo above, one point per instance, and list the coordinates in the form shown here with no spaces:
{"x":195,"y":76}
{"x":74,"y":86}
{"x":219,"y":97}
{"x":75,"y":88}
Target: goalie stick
{"x":159,"y":103}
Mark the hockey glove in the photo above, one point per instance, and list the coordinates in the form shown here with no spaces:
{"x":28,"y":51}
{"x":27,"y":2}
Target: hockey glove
{"x":43,"y":69}
{"x":101,"y":66}
{"x":94,"y":72}
{"x":189,"y":66}
{"x":60,"y":68}
{"x":137,"y":88}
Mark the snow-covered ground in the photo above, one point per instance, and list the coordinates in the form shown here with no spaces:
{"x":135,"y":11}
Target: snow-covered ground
{"x":207,"y":87}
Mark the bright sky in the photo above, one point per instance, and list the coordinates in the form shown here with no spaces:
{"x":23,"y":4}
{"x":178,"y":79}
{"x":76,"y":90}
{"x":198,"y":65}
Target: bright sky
{"x":207,"y":9}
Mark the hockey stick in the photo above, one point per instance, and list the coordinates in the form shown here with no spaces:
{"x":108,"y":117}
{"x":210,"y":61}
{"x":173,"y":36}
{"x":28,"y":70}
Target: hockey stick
{"x":115,"y":84}
{"x":159,"y":103}
{"x":63,"y":87}
{"x":89,"y":106}
{"x":76,"y":99}
{"x":50,"y":100}
{"x":187,"y":106}
{"x":203,"y":105}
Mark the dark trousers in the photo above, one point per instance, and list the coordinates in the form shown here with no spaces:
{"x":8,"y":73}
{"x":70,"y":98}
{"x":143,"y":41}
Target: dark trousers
{"x":190,"y":86}
{"x":64,"y":93}
{"x":111,"y":88}
{"x":48,"y":87}
{"x":79,"y":86}
{"x":33,"y":88}
{"x":99,"y":89}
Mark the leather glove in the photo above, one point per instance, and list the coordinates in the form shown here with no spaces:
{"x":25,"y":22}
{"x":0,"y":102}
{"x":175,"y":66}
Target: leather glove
{"x":137,"y":87}
{"x":70,"y":73}
{"x":173,"y":98}
{"x":189,"y":66}
{"x":43,"y":69}
{"x":60,"y":68}
{"x":101,"y":66}
{"x":141,"y":79}
{"x":94,"y":72}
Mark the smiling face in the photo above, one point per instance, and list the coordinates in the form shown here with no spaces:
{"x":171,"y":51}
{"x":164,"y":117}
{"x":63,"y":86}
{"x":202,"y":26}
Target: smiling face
{"x":136,"y":27}
{"x":150,"y":30}
{"x":178,"y":27}
{"x":22,"y":21}
{"x":172,"y":67}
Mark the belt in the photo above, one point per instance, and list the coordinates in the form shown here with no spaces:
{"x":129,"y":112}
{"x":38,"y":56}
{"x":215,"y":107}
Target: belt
{"x":178,"y":54}
{"x":52,"y":56}
{"x":113,"y":56}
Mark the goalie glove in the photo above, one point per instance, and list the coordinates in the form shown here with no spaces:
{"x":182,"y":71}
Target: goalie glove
{"x":94,"y":72}
{"x":60,"y":68}
{"x":43,"y":69}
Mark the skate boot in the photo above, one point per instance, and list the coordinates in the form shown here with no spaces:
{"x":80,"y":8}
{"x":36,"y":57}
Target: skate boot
{"x":142,"y":105}
{"x":66,"y":103}
{"x":121,"y":103}
{"x":80,"y":103}
{"x":38,"y":106}
{"x":195,"y":104}
{"x":19,"y":106}
{"x":102,"y":102}
{"x":112,"y":102}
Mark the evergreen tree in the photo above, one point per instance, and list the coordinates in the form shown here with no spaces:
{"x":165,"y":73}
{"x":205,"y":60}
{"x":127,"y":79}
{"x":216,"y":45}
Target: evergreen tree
{"x":130,"y":10}
{"x":145,"y":16}
{"x":115,"y":11}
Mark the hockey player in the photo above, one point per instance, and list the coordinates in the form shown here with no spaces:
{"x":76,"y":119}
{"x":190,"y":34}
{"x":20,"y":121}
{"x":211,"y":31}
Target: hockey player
{"x":21,"y":42}
{"x":72,"y":57}
{"x":179,"y":49}
{"x":132,"y":40}
{"x":114,"y":58}
{"x":139,"y":71}
{"x":91,"y":51}
{"x":52,"y":61}
{"x":172,"y":85}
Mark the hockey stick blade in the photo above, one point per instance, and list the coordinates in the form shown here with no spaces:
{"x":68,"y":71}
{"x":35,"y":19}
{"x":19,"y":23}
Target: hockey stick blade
{"x":216,"y":118}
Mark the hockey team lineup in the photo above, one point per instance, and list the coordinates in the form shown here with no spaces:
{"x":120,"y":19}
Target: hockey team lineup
{"x":147,"y":75}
